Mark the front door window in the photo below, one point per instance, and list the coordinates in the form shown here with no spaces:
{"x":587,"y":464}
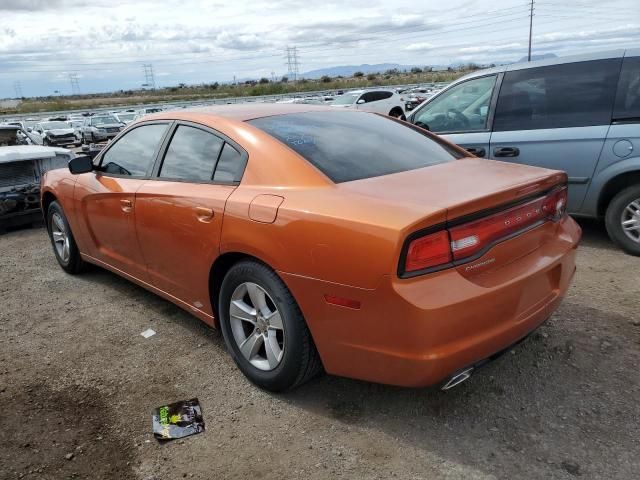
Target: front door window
{"x":462,"y":108}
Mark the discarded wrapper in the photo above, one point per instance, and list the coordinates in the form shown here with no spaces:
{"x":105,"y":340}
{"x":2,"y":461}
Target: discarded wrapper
{"x":177,"y":420}
{"x":149,"y":332}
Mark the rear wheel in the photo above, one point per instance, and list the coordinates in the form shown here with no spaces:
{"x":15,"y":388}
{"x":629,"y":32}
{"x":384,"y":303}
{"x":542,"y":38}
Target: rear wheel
{"x":64,"y":245}
{"x":397,"y":113}
{"x":623,"y":219}
{"x":264,"y":329}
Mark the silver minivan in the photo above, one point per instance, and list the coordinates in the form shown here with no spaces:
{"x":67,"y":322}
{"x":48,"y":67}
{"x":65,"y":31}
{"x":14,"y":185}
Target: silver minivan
{"x":579,"y":114}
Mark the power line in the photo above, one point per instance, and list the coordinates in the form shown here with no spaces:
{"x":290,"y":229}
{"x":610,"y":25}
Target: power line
{"x":292,"y":62}
{"x":75,"y":86}
{"x":530,"y":30}
{"x":17,"y":86}
{"x":149,"y":79}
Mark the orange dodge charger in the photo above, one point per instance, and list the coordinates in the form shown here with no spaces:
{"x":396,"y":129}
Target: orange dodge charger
{"x":322,"y":239}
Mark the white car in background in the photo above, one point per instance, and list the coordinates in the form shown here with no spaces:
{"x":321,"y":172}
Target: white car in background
{"x":126,"y":117}
{"x":382,"y":101}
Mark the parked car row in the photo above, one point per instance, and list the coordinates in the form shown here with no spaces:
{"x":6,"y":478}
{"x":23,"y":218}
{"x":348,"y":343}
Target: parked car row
{"x":23,"y":161}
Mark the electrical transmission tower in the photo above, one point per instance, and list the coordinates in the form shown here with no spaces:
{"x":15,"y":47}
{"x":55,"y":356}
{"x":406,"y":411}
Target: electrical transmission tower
{"x":75,"y":86}
{"x":17,"y":86}
{"x":149,"y":80}
{"x":530,"y":28}
{"x":293,"y":65}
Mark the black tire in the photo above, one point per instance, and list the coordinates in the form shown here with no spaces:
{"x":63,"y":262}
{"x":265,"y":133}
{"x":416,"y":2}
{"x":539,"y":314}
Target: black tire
{"x":300,"y":360}
{"x":613,"y":219}
{"x":397,"y":113}
{"x":74,"y":264}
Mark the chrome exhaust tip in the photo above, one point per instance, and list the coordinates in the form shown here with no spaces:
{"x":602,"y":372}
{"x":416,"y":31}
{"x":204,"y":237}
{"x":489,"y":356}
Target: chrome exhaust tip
{"x":458,"y":378}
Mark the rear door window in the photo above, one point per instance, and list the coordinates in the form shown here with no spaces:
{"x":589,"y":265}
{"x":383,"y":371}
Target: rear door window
{"x":349,"y":146}
{"x":230,"y":165}
{"x":191,"y":155}
{"x":135,"y":152}
{"x":627,"y":105}
{"x":557,"y":96}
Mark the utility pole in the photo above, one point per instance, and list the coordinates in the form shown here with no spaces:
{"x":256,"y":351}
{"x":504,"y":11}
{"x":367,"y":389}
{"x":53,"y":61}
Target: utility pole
{"x":17,"y":86}
{"x":293,"y":66}
{"x":530,"y":29}
{"x":149,"y":80}
{"x":75,"y":86}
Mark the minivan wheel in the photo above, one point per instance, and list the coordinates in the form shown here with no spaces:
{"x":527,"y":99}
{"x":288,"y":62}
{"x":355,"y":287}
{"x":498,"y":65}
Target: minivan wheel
{"x":264,"y":330}
{"x":64,"y":245}
{"x":623,"y":219}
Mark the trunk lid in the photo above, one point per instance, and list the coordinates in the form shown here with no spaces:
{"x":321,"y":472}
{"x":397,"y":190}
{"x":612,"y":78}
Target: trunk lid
{"x":460,"y":187}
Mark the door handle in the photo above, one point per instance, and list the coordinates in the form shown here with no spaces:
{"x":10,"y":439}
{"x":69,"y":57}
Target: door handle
{"x":204,"y":214}
{"x":126,"y":205}
{"x":506,"y":152}
{"x":477,"y":151}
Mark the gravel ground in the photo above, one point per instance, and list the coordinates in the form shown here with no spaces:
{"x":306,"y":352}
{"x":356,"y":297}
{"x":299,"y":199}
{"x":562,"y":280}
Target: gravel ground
{"x":78,"y":383}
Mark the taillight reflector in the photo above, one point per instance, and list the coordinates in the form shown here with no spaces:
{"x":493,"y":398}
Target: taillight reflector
{"x":469,"y":239}
{"x":342,"y":302}
{"x":428,"y":251}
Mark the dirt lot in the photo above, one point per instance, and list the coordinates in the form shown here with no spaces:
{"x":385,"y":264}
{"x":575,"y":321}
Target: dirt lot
{"x":78,"y":383}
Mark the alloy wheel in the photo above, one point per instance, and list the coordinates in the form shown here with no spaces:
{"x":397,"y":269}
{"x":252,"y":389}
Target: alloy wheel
{"x":257,"y":326}
{"x":631,"y":220}
{"x":60,"y":237}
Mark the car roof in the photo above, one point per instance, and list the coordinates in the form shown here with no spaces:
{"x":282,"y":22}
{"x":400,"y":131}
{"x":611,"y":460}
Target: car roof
{"x":584,"y":57}
{"x":244,"y":111}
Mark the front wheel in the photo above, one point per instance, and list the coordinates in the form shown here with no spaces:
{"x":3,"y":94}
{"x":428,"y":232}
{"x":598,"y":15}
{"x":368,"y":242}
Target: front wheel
{"x":623,"y":220}
{"x":264,"y":329}
{"x":64,"y":245}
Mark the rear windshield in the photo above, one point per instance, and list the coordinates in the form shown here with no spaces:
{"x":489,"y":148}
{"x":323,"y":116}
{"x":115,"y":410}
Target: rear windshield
{"x":349,"y":146}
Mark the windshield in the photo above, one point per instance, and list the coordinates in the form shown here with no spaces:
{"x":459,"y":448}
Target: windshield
{"x":346,"y":148}
{"x":346,"y":99}
{"x":54,"y":125}
{"x":126,"y":116}
{"x":104,"y":120}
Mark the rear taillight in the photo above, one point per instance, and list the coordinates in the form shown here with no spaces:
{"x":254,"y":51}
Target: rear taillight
{"x":470,"y":239}
{"x":428,"y":251}
{"x":555,"y":205}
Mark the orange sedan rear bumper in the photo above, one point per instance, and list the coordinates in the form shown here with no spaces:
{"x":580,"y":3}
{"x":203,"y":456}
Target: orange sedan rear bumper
{"x":417,"y":332}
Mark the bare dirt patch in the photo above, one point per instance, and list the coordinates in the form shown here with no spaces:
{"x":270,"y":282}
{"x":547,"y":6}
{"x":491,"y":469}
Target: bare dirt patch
{"x":75,"y":370}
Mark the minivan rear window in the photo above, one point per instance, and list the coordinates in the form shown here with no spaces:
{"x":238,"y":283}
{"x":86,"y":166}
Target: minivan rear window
{"x":348,"y":146}
{"x":576,"y":94}
{"x":628,"y":96}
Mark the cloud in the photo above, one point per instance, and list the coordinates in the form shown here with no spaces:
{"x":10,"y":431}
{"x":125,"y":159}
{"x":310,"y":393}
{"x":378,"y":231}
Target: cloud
{"x":419,"y":47}
{"x":240,"y":42}
{"x":509,"y":47}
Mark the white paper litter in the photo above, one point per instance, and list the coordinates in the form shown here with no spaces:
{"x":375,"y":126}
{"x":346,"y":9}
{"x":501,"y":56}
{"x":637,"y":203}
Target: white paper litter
{"x":148,"y":333}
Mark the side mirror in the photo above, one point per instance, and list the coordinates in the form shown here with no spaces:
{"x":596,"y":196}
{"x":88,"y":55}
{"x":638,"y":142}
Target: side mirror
{"x":81,"y":164}
{"x":360,"y":102}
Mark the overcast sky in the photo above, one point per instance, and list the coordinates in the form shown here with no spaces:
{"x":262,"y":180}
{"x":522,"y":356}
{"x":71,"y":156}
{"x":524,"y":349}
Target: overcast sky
{"x":106,"y":42}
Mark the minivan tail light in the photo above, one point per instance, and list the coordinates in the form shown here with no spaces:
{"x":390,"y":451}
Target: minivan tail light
{"x":428,"y":251}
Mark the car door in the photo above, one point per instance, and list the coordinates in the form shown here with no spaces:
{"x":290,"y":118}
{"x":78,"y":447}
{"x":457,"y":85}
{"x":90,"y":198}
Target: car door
{"x":621,"y":151}
{"x":462,"y":114}
{"x":105,"y":198}
{"x":365,"y":101}
{"x":179,"y":212}
{"x":556,"y":116}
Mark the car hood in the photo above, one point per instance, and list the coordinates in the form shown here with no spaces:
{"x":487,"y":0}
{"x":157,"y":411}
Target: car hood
{"x":21,"y":153}
{"x":59,"y":131}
